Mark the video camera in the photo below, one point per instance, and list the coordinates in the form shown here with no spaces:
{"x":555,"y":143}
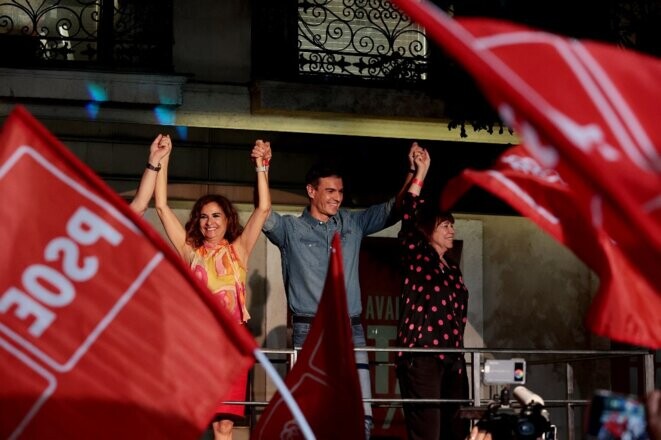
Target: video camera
{"x":505,"y":422}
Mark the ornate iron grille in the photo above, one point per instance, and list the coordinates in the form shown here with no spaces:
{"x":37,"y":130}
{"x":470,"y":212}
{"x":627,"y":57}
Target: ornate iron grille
{"x":364,"y":39}
{"x":133,"y":34}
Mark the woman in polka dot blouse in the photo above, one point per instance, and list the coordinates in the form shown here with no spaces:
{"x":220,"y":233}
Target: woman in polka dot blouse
{"x":434,"y":302}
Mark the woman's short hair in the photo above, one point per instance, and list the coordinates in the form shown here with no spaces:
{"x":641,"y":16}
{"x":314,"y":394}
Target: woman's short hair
{"x":194,"y":235}
{"x":429,"y":217}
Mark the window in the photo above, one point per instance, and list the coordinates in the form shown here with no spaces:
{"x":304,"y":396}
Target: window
{"x":360,"y":39}
{"x":110,"y":33}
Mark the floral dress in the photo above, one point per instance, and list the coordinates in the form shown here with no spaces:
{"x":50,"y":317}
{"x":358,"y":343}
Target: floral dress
{"x":220,"y":269}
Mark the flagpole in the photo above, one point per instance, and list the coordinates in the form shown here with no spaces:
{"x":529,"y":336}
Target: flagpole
{"x":286,"y":395}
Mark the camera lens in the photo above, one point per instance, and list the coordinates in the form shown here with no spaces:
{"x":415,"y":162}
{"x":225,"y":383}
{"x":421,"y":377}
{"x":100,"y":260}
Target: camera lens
{"x":525,"y":429}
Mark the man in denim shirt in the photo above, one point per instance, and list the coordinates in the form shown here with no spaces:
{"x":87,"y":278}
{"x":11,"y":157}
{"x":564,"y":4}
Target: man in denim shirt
{"x":305,"y":244}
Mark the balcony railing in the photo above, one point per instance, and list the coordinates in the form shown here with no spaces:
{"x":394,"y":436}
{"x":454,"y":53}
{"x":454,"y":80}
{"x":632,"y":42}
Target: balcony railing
{"x":361,"y":39}
{"x":119,"y":34}
{"x":565,"y":410}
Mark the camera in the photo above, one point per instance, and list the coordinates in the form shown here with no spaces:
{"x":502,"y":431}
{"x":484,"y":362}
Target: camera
{"x":530,"y":421}
{"x":506,"y":423}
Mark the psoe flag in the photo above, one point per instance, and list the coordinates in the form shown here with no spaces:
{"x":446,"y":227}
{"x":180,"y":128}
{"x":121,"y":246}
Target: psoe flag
{"x":104,"y":333}
{"x":626,"y":308}
{"x":581,"y":108}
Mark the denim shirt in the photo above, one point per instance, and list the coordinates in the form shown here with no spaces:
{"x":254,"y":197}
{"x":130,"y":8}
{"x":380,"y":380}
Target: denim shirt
{"x":305,"y":244}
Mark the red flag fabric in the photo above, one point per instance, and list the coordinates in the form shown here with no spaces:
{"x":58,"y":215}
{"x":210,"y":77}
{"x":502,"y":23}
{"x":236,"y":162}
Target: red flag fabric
{"x":584,"y":109}
{"x":323,"y":381}
{"x":626,"y":308}
{"x":104,"y":333}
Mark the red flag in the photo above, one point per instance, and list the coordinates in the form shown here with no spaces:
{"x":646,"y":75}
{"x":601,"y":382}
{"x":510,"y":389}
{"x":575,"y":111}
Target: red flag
{"x":584,"y":109}
{"x":626,"y":308}
{"x":323,"y":381}
{"x":104,"y":333}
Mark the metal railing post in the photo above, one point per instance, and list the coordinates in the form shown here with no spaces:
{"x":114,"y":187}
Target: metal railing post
{"x":648,"y":372}
{"x":293,"y":358}
{"x":569,"y":408}
{"x":477,"y":387}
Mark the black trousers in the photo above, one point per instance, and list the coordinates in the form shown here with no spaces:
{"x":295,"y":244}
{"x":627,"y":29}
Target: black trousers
{"x":428,"y":377}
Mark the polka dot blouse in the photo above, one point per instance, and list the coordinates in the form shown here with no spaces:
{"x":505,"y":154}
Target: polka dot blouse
{"x":434,"y":299}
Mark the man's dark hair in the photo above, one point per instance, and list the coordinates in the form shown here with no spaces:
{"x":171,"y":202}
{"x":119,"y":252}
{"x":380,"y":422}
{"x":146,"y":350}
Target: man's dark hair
{"x":320,"y":170}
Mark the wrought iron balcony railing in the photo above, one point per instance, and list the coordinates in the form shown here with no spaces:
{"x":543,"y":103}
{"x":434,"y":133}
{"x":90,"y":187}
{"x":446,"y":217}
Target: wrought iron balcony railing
{"x":109,"y":34}
{"x":367,"y":39}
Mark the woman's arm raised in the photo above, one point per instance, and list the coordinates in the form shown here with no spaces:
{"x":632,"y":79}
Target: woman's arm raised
{"x":173,"y":228}
{"x":159,"y":149}
{"x":261,"y":154}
